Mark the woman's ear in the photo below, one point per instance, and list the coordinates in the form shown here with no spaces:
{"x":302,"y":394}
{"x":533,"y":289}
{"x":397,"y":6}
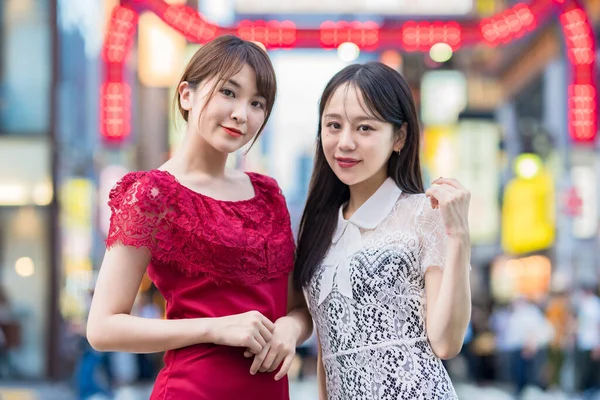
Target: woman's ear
{"x":185,"y":96}
{"x":400,"y":137}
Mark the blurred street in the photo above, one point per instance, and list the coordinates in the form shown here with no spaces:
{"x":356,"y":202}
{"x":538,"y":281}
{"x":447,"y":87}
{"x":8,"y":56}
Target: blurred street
{"x":506,"y":95}
{"x":298,"y":391}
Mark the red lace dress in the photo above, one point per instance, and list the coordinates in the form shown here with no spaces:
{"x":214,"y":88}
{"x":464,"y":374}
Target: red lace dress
{"x":210,"y":258}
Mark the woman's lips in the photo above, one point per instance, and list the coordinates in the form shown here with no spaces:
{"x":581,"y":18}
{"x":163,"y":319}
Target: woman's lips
{"x":232,"y":131}
{"x":347,"y":162}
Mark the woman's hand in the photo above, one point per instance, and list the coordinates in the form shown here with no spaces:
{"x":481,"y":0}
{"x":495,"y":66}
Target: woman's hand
{"x":453,"y":201}
{"x":281,"y":348}
{"x":251,"y":330}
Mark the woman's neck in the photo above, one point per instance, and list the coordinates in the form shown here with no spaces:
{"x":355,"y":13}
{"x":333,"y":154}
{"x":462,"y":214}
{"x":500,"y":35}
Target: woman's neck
{"x":196,"y":156}
{"x":361,"y":192}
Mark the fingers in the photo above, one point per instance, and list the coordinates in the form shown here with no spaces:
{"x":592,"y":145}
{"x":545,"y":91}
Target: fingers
{"x":269,"y":359}
{"x":267,"y":323}
{"x":265,"y":333}
{"x":441,"y":189}
{"x":258,"y":321}
{"x":449,"y":181}
{"x":261,"y":328}
{"x":287,"y":364}
{"x":454,"y":184}
{"x":255,"y":346}
{"x":260,"y":340}
{"x":248,"y":353}
{"x":259,"y":359}
{"x":430,"y":193}
{"x":439,"y":194}
{"x":276,"y":363}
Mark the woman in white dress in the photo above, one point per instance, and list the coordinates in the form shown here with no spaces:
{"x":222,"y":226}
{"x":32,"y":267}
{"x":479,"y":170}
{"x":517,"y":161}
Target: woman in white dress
{"x":385,"y":266}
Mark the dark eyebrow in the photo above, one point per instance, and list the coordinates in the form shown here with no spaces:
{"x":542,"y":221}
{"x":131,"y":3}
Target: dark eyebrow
{"x":355,"y":120}
{"x":234,"y":83}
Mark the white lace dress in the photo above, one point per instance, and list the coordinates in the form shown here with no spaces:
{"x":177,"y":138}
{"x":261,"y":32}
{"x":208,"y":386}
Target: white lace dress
{"x":368,"y":301}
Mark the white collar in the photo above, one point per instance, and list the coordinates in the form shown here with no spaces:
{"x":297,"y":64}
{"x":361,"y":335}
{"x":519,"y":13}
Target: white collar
{"x":372,"y":212}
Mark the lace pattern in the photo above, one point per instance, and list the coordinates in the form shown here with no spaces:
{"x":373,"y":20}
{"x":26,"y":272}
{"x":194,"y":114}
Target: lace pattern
{"x":375,"y":343}
{"x":244,"y":242}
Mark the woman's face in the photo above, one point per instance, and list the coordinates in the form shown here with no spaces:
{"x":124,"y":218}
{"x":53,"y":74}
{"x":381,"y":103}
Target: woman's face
{"x":357,"y":144}
{"x":232,"y":116}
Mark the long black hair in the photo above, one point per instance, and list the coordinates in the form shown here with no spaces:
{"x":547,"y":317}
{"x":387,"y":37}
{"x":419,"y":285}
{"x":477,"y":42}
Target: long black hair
{"x":388,"y":96}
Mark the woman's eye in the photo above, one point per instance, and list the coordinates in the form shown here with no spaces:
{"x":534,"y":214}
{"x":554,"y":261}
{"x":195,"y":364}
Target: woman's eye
{"x":365,"y":128}
{"x":258,"y":104}
{"x":228,"y":93}
{"x":334,"y":125}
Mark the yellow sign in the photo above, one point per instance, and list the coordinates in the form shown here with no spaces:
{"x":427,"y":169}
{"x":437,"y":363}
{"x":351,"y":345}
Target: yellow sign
{"x":528,"y":214}
{"x":440,"y":150}
{"x":77,"y":197}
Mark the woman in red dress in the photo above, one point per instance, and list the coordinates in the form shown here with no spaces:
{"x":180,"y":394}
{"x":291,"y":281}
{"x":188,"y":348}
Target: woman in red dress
{"x":216,"y":242}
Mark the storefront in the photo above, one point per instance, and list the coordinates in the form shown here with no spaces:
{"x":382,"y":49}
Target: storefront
{"x":27,"y":268}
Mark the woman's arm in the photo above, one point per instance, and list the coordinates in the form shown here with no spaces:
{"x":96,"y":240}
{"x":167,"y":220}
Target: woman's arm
{"x":449,"y":300}
{"x":298,"y":312}
{"x":322,"y":386}
{"x":448,"y":291}
{"x":112,"y":328}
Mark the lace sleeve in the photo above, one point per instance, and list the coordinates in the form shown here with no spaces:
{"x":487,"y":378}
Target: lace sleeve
{"x":433,"y":238}
{"x":137,"y":213}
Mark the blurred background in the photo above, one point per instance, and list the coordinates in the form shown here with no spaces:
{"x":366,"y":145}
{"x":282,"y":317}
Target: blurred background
{"x":506,"y":92}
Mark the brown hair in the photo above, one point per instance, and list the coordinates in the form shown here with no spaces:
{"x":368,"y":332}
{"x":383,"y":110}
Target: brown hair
{"x":224,"y":57}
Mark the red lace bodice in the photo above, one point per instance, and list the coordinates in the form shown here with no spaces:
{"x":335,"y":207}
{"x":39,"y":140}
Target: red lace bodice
{"x":242,"y":242}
